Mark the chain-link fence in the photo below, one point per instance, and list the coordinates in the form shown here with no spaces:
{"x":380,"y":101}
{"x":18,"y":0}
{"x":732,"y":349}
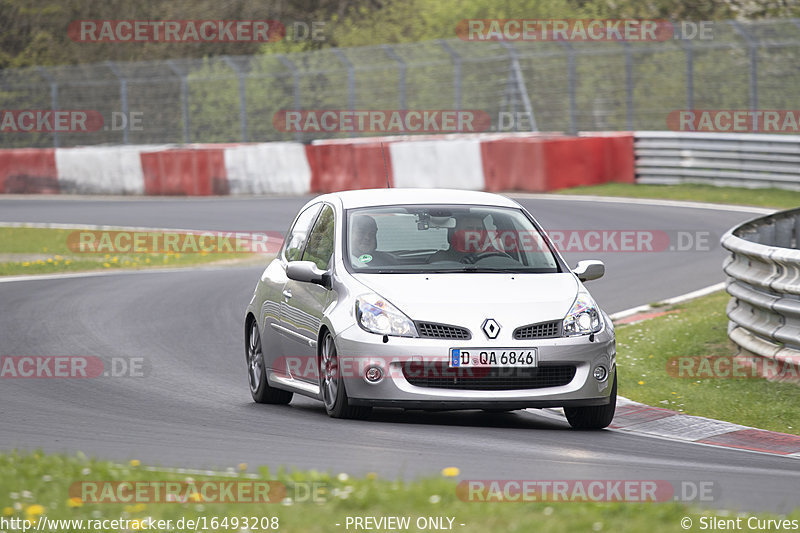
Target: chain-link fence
{"x":555,"y":86}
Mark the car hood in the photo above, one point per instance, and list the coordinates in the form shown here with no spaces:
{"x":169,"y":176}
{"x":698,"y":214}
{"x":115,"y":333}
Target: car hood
{"x":469,"y":299}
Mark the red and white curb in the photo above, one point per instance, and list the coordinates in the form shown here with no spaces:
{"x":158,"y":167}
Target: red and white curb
{"x":638,"y":418}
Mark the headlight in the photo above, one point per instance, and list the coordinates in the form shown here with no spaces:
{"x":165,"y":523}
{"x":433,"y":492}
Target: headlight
{"x":583,"y":318}
{"x":376,"y":315}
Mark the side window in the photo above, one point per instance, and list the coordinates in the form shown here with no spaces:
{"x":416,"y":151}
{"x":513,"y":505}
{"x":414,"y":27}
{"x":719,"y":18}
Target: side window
{"x":320,"y":242}
{"x":296,"y":239}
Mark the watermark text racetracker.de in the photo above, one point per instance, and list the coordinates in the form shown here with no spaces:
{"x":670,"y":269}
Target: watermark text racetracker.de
{"x":583,"y":30}
{"x":730,"y":367}
{"x":382,"y":121}
{"x":585,"y":490}
{"x":735,"y":120}
{"x":68,"y":121}
{"x":72,"y":367}
{"x":177,"y":242}
{"x":584,"y":240}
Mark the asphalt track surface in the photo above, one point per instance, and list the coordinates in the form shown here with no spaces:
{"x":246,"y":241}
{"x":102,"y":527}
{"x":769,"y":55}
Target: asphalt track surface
{"x":192,"y":408}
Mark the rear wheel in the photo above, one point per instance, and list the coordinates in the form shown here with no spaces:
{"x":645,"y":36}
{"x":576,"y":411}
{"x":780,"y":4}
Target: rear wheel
{"x":331,"y":384}
{"x":257,"y":375}
{"x":595,"y":416}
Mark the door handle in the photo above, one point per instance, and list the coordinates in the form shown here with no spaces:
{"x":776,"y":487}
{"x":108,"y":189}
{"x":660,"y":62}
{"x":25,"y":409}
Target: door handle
{"x":287,"y":294}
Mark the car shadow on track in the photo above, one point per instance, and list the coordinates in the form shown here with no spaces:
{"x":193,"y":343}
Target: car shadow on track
{"x":520,"y":419}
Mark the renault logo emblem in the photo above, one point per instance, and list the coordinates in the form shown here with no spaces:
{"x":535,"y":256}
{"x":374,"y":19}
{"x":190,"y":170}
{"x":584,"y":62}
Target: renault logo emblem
{"x":491,"y":328}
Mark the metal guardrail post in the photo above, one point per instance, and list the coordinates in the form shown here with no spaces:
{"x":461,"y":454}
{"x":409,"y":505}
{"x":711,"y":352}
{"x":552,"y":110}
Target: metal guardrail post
{"x":456,"y":57}
{"x":571,"y":80}
{"x":401,"y":75}
{"x":242,"y":96}
{"x":53,"y":99}
{"x":628,"y":85}
{"x":520,"y":82}
{"x":752,"y":46}
{"x":184,"y":100}
{"x":689,"y":73}
{"x":295,"y":87}
{"x":351,"y":78}
{"x":123,"y":95}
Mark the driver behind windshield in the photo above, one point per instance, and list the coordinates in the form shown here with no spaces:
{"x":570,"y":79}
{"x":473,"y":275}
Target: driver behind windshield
{"x":364,"y":244}
{"x":469,"y":228}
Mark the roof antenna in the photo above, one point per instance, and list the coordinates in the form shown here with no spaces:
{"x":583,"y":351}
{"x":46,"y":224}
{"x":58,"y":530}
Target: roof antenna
{"x":385,"y":168}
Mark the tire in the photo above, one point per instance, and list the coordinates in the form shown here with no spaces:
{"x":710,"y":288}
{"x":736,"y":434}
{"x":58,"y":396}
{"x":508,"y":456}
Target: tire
{"x":331,"y":384}
{"x":595,"y":416}
{"x":257,"y":375}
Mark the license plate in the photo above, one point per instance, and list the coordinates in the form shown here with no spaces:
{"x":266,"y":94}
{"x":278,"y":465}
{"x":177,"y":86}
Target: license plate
{"x":495,"y":357}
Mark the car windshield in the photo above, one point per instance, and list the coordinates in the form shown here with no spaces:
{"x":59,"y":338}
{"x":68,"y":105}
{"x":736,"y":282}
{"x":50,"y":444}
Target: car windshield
{"x":444,"y":238}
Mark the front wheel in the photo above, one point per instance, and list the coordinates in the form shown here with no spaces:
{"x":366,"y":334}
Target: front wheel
{"x":331,"y":385}
{"x":594,"y":416}
{"x":257,"y":375}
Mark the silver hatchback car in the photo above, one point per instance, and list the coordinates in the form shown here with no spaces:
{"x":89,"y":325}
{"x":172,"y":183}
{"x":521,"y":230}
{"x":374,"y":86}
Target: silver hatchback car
{"x":428,"y":299}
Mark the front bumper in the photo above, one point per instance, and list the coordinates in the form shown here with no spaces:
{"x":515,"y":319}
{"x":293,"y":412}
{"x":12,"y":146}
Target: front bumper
{"x":358,"y":350}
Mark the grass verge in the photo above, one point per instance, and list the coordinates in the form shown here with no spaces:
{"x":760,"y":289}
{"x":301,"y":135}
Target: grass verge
{"x":646,"y":353}
{"x":776,"y":198}
{"x":46,"y":251}
{"x":36,"y":485}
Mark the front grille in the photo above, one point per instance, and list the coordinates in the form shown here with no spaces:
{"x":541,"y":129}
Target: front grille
{"x":431,"y":330}
{"x":543,"y":330}
{"x":438,"y":375}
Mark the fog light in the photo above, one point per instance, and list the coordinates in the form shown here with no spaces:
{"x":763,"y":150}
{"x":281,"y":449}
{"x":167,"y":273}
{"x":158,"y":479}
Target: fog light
{"x":373,"y":374}
{"x":600,"y":373}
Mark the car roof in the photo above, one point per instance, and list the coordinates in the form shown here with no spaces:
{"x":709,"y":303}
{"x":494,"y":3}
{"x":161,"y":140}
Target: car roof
{"x":376,"y":197}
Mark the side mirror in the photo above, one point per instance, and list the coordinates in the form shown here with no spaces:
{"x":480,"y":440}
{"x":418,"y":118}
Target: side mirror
{"x":308,"y":272}
{"x":589,"y":270}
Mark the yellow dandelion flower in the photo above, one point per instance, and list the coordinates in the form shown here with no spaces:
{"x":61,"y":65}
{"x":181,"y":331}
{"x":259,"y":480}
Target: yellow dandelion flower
{"x":135,"y":462}
{"x":242,"y":466}
{"x":195,"y":497}
{"x":26,"y":263}
{"x":106,"y":265}
{"x":8,"y":511}
{"x":34,"y":510}
{"x":641,"y":383}
{"x":372,"y":475}
{"x":74,"y":502}
{"x":450,"y":471}
{"x":68,"y":261}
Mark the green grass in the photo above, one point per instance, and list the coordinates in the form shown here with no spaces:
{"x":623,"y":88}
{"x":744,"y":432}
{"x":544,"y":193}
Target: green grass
{"x":699,"y":328}
{"x":777,"y":198}
{"x":47,"y":251}
{"x":34,"y":484}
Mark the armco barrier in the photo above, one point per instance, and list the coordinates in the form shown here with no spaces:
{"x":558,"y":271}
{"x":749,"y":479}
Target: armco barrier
{"x":28,"y":170}
{"x":764,"y":284}
{"x":497,"y":162}
{"x":733,"y":159}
